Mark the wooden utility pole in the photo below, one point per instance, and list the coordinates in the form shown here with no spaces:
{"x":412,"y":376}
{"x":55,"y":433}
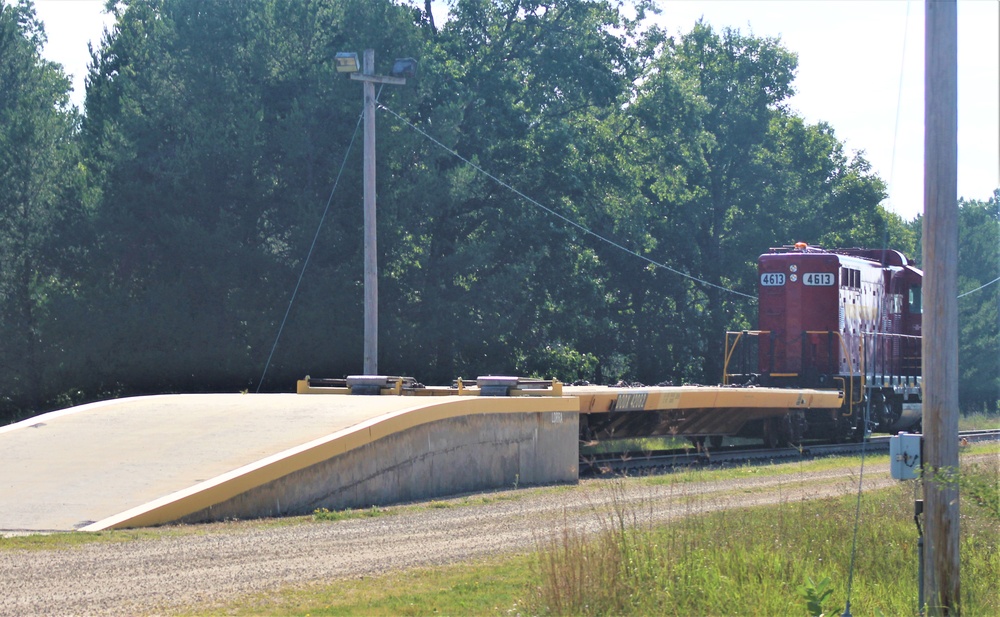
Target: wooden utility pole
{"x":369,"y":78}
{"x":371,"y":245}
{"x":940,"y":319}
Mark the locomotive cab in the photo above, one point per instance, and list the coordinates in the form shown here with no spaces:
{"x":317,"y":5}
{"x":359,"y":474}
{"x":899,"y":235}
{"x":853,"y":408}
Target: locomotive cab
{"x":798,"y":308}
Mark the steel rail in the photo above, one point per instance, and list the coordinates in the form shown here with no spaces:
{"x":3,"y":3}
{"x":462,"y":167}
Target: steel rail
{"x":664,"y":461}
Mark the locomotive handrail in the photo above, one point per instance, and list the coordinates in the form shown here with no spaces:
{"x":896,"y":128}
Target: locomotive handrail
{"x":733,"y":340}
{"x":731,"y":350}
{"x":850,"y":399}
{"x":896,"y":365}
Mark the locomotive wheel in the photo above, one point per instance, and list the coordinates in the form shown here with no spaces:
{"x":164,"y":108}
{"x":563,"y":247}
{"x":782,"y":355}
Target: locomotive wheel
{"x":876,"y":408}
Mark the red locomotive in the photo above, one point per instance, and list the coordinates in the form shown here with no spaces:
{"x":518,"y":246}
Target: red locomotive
{"x":843,"y":318}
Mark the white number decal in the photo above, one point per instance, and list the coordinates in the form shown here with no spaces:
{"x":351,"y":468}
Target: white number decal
{"x":772,"y":279}
{"x":824,"y":279}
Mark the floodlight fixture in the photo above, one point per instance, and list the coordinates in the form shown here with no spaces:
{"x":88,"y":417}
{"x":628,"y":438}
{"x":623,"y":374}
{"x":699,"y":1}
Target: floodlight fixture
{"x":404,"y":67}
{"x":347,"y":62}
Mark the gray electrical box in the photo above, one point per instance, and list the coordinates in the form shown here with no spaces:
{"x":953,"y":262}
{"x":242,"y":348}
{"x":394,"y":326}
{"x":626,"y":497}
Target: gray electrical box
{"x":905,"y":455}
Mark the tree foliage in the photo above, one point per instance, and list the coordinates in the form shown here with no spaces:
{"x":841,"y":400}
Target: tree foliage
{"x":214,"y":133}
{"x":979,"y":310}
{"x":41,"y":206}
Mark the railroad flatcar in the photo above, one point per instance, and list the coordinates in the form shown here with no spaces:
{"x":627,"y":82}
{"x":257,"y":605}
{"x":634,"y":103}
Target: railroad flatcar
{"x":848,"y":319}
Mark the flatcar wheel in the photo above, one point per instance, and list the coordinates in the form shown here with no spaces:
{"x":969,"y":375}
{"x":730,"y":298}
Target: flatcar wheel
{"x":844,"y":430}
{"x":797,"y":426}
{"x":893,"y":411}
{"x":859,"y":431}
{"x":776,"y":432}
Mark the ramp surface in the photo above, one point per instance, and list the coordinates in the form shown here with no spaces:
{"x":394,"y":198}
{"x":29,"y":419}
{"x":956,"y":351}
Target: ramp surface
{"x":68,"y":469}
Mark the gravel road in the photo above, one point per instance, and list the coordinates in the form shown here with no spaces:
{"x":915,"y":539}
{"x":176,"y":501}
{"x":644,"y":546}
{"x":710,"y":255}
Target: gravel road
{"x":184,"y":571}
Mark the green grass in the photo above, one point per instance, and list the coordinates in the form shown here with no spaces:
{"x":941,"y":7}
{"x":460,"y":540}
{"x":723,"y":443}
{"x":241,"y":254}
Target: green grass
{"x":756,"y":561}
{"x":767,"y":561}
{"x":979,"y":421}
{"x":638,"y":444}
{"x":495,"y":587}
{"x":322,"y":514}
{"x":74,"y":539}
{"x":762,"y":470}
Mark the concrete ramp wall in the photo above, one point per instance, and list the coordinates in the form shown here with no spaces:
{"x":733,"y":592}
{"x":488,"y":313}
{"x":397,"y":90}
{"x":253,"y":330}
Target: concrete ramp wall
{"x":460,"y":454}
{"x":425,"y":447}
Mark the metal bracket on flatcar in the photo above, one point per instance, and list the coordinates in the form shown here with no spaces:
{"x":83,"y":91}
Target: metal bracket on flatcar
{"x":505,"y":385}
{"x":373,"y":385}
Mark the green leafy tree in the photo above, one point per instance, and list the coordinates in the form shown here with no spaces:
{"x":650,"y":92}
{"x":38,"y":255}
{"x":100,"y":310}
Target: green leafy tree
{"x":979,"y":300}
{"x":979,"y":311}
{"x":217,"y":130}
{"x":729,"y":171}
{"x":214,"y":132}
{"x":41,"y":188}
{"x":527,"y":91}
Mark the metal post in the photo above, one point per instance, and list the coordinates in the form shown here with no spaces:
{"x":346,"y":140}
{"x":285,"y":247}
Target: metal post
{"x":918,"y":509}
{"x":920,"y":573}
{"x":940,"y":323}
{"x":371,"y":248}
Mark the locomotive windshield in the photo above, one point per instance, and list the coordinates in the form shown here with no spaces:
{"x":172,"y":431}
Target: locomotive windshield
{"x":915,"y":305}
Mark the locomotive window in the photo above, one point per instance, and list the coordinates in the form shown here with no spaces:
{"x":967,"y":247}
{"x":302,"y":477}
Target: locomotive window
{"x":915,"y":301}
{"x":850,"y":278}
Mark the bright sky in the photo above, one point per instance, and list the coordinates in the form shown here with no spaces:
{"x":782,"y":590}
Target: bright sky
{"x":860,"y":70}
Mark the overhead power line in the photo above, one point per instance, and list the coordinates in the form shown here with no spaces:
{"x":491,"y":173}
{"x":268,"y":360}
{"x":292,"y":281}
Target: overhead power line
{"x":568,"y":221}
{"x":312,"y":247}
{"x":980,"y":288}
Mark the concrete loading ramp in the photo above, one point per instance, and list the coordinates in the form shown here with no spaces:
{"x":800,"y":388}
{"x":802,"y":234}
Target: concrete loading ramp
{"x":152,"y":460}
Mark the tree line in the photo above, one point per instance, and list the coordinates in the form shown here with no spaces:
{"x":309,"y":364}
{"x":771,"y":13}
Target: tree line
{"x":152,"y":241}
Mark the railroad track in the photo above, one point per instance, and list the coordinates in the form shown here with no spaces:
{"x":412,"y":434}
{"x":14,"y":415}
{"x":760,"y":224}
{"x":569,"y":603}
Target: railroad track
{"x":645,"y":462}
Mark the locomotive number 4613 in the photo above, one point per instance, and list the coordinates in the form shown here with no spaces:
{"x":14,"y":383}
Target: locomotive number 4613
{"x":772,"y":279}
{"x":824,"y":279}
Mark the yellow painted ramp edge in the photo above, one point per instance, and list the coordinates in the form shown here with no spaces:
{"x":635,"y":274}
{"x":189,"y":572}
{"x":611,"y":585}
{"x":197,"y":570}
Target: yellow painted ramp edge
{"x":221,"y":488}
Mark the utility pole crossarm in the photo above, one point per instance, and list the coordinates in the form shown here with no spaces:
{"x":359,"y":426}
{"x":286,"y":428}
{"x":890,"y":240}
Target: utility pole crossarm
{"x":379,"y":79}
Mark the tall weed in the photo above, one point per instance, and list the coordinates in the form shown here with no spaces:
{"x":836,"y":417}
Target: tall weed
{"x":760,"y":560}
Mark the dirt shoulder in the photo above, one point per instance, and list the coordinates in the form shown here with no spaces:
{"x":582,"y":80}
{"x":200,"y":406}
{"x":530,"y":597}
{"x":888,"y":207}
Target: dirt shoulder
{"x":221,"y":562}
